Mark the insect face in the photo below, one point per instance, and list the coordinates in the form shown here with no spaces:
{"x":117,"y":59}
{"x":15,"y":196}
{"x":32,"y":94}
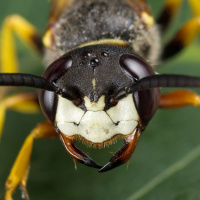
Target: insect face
{"x":88,"y":78}
{"x":99,"y":85}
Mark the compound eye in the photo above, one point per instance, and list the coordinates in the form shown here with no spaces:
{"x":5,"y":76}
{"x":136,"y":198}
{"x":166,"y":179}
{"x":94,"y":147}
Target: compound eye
{"x":48,"y":103}
{"x":135,"y":67}
{"x":58,"y":68}
{"x":146,"y":101}
{"x":48,"y":100}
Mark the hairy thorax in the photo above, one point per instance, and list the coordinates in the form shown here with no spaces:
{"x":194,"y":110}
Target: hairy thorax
{"x":86,"y":21}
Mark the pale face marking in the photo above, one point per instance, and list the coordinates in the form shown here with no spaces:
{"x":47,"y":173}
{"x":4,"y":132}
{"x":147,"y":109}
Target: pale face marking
{"x":96,"y":125}
{"x":93,"y":83}
{"x":124,"y":111}
{"x":95,"y":106}
{"x":67,"y":112}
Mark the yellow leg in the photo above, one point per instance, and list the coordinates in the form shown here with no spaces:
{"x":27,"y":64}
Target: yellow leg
{"x":195,"y":5}
{"x":183,"y":38}
{"x":9,"y":64}
{"x":170,"y":9}
{"x":25,"y":103}
{"x":179,"y":98}
{"x":172,"y":6}
{"x":188,"y":31}
{"x":19,"y":172}
{"x":26,"y":32}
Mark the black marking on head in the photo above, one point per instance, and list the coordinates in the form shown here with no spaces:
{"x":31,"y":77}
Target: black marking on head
{"x":100,"y":70}
{"x":99,"y":63}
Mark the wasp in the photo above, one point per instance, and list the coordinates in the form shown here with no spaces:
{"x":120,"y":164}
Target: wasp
{"x":100,"y":82}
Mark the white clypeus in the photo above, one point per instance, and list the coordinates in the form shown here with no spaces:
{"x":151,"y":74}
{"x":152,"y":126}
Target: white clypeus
{"x":97,"y":125}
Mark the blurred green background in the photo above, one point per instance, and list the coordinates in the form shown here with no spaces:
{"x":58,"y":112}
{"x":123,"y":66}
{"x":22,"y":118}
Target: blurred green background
{"x":172,"y":136}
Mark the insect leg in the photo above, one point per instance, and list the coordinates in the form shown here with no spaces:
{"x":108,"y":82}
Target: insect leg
{"x":18,"y":174}
{"x":9,"y":64}
{"x":170,"y":9}
{"x":183,"y":38}
{"x":179,"y":98}
{"x":26,"y":32}
{"x":25,"y":103}
{"x":195,"y":6}
{"x":186,"y":34}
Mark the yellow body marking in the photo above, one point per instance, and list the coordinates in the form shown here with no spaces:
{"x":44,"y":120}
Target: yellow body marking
{"x":106,"y":41}
{"x":148,"y":19}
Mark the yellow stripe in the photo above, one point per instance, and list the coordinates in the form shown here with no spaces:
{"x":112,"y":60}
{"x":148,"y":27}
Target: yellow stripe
{"x":106,"y":41}
{"x":48,"y":39}
{"x":148,"y":19}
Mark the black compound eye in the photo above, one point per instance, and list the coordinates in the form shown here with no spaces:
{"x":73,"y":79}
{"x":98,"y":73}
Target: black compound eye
{"x":48,"y":100}
{"x":58,"y":68}
{"x":135,"y":67}
{"x":146,"y":101}
{"x":48,"y":103}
